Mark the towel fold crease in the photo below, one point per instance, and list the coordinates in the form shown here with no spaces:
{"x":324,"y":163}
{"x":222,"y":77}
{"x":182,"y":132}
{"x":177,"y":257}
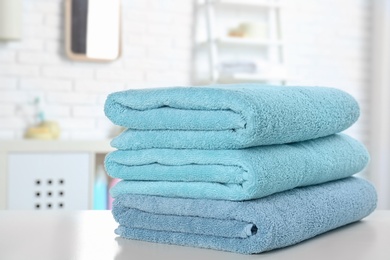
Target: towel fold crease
{"x":235,"y":174}
{"x":254,"y":226}
{"x":227,"y":116}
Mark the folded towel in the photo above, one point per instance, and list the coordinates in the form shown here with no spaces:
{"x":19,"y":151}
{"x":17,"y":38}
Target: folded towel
{"x":253,"y":226}
{"x":235,"y":174}
{"x":227,"y":116}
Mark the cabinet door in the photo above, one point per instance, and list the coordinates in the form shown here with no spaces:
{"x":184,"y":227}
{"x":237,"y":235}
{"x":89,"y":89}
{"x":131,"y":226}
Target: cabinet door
{"x":48,"y":181}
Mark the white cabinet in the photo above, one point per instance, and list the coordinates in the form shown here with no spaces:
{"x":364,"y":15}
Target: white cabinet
{"x":45,"y":181}
{"x":49,"y":175}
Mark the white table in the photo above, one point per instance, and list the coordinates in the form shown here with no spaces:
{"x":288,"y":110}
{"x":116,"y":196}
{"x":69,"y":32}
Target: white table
{"x":90,"y":235}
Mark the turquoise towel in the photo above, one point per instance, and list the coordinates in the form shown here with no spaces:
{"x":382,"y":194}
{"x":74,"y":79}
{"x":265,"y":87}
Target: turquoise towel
{"x":235,"y":174}
{"x":254,"y":226}
{"x":227,"y":116}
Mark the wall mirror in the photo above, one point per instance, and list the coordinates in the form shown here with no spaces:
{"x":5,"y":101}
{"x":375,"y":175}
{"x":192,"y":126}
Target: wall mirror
{"x":93,"y":29}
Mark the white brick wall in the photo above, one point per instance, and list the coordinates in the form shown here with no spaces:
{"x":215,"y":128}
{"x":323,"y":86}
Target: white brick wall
{"x":18,"y":70}
{"x":7,"y":56}
{"x":328,"y":43}
{"x":7,"y":110}
{"x":45,"y":84}
{"x":156,"y":46}
{"x":8,"y":83}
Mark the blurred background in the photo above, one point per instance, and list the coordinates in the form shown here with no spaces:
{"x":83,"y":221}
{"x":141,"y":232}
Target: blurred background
{"x":54,"y":76}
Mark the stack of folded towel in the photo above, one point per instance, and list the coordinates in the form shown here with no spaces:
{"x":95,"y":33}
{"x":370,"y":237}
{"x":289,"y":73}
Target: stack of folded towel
{"x":245,"y":168}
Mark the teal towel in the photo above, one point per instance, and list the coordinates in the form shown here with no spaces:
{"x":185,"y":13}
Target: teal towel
{"x":254,"y":226}
{"x":235,"y":174}
{"x":227,"y":116}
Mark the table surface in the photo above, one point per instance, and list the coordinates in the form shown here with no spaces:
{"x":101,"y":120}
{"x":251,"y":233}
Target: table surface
{"x":90,"y":235}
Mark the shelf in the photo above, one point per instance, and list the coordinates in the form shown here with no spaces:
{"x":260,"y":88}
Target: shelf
{"x":237,"y":77}
{"x":242,"y":41}
{"x":251,"y":3}
{"x":95,"y":146}
{"x":243,"y":3}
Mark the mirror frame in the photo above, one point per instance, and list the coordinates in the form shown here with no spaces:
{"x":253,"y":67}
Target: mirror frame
{"x":68,"y":36}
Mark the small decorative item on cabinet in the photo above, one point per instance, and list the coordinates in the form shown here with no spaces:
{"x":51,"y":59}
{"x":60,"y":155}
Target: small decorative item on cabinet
{"x":253,"y":30}
{"x":43,"y":129}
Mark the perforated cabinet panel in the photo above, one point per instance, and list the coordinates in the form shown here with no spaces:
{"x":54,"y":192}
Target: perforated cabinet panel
{"x":48,"y":181}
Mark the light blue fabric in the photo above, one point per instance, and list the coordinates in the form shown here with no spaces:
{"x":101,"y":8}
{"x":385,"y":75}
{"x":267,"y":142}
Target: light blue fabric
{"x":254,"y":226}
{"x":227,"y":116}
{"x":235,"y":174}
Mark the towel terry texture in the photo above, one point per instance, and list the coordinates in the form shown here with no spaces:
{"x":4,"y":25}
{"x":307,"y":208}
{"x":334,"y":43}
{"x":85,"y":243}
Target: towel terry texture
{"x":187,"y":180}
{"x":247,"y":227}
{"x":235,"y":174}
{"x":227,"y":116}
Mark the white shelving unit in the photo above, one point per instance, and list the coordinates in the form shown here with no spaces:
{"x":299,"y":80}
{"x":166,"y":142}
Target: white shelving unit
{"x":241,"y":42}
{"x":216,"y":42}
{"x":248,"y":77}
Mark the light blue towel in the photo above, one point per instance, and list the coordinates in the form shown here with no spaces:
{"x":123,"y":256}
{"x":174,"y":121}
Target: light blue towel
{"x":227,"y":116}
{"x":235,"y":174}
{"x":248,"y":227}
